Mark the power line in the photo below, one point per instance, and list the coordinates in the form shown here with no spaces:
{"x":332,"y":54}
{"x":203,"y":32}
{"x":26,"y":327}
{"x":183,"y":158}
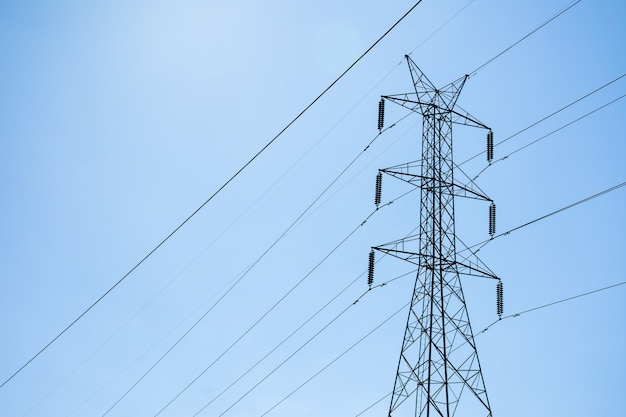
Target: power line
{"x":281,"y":343}
{"x":482,"y":244}
{"x":303,"y":345}
{"x":516,"y":315}
{"x":241,"y":216}
{"x":336,"y":359}
{"x":252,"y":266}
{"x":293,"y":288}
{"x":374,"y":404}
{"x":439,"y":28}
{"x":565,"y":125}
{"x":526,"y":36}
{"x":187,"y":266}
{"x":247,"y":271}
{"x":281,"y":364}
{"x":394,"y":279}
{"x":548,"y":116}
{"x":548,"y":134}
{"x":236,"y":174}
{"x":552,"y":304}
{"x":584,"y":200}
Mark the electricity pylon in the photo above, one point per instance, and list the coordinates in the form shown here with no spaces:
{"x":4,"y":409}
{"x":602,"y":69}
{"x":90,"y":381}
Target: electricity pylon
{"x":438,"y":371}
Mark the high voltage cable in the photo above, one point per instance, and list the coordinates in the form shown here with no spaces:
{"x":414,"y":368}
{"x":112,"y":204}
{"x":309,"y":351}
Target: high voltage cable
{"x":294,"y":332}
{"x":236,"y":220}
{"x":545,"y":216}
{"x":227,"y":228}
{"x":387,"y":282}
{"x":517,"y":315}
{"x":440,"y":27}
{"x":549,"y":134}
{"x":282,"y":342}
{"x":374,"y":404}
{"x":236,"y":174}
{"x":526,"y":36}
{"x":293,"y":288}
{"x":564,"y":126}
{"x":338,"y":190}
{"x":169,"y":283}
{"x":293,"y":225}
{"x":302,"y":346}
{"x":336,"y":359}
{"x":551,"y":304}
{"x":252,"y":266}
{"x":548,"y":116}
{"x":255,"y":324}
{"x":380,"y":285}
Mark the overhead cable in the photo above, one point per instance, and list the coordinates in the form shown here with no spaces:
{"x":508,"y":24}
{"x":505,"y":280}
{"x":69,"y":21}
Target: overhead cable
{"x":548,"y":116}
{"x":551,"y":304}
{"x":511,"y":316}
{"x":267,"y":312}
{"x":549,"y":134}
{"x":394,"y":279}
{"x":526,"y":36}
{"x":222,"y":187}
{"x":328,"y":365}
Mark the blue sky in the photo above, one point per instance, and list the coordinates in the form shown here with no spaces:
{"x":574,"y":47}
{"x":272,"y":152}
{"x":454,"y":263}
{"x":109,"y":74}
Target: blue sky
{"x":119,"y":119}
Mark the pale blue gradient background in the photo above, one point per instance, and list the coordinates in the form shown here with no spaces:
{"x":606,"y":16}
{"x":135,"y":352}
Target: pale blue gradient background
{"x":119,"y":118}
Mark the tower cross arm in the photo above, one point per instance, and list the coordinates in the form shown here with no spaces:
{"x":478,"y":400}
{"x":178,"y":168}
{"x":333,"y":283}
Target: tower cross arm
{"x":413,"y":103}
{"x":466,"y":119}
{"x":425,"y":182}
{"x":466,"y":268}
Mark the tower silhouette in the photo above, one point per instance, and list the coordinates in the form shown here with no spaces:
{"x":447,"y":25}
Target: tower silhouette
{"x":438,"y":372}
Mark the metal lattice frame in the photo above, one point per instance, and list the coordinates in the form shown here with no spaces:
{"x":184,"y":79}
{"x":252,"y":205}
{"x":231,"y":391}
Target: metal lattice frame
{"x":438,"y":371}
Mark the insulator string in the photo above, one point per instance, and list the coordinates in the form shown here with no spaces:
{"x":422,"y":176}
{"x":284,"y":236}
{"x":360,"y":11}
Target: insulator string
{"x":381,"y":114}
{"x":379,"y":184}
{"x":492,"y":219}
{"x":499,"y":299}
{"x":370,"y":269}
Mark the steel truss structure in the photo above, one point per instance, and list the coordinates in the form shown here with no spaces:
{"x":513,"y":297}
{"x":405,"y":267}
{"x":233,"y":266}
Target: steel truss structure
{"x":438,"y":371}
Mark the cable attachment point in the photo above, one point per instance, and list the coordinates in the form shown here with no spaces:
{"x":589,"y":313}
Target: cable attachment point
{"x":492,"y":219}
{"x":489,"y":146}
{"x":381,"y":114}
{"x":379,"y":185}
{"x":370,"y":270}
{"x":499,"y":299}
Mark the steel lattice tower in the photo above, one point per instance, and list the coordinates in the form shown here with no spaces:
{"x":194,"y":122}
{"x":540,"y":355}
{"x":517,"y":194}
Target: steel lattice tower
{"x":438,"y":372}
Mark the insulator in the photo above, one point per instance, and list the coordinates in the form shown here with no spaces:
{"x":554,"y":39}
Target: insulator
{"x":381,"y":114}
{"x":370,"y":269}
{"x":379,"y":185}
{"x":489,"y":146}
{"x":499,"y":299}
{"x":492,"y":219}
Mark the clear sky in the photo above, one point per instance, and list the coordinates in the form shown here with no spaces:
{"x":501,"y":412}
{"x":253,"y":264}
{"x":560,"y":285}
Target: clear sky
{"x":120,"y":118}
